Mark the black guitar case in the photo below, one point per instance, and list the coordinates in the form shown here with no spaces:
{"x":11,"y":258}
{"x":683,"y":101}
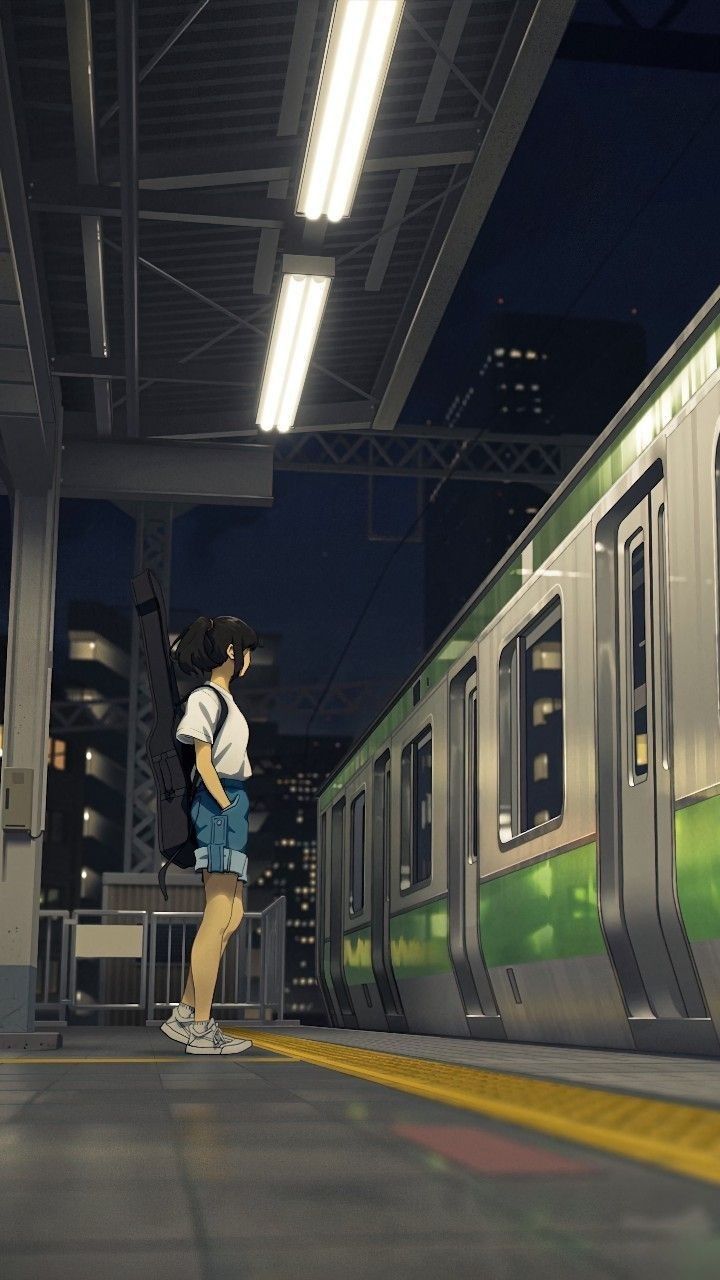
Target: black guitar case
{"x":171,"y":761}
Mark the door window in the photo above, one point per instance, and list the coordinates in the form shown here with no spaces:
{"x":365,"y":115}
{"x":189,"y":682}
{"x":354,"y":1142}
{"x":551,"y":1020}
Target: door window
{"x":471,"y":763}
{"x":357,"y":854}
{"x":416,"y":812}
{"x":635,"y":577}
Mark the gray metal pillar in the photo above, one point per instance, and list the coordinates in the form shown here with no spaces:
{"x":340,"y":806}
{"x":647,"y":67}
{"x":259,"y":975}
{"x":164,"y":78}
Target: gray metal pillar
{"x":26,"y":726}
{"x":153,"y":550}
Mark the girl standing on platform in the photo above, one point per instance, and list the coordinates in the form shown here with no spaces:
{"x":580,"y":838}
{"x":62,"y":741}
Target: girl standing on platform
{"x":221,"y":647}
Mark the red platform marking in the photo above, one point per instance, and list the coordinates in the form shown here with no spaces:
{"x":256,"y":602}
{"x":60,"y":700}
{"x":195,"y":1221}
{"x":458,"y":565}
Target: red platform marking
{"x":486,"y":1153}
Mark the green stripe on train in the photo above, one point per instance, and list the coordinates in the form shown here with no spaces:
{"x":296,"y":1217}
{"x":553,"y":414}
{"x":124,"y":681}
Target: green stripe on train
{"x":547,"y":911}
{"x":697,"y":863}
{"x":357,"y":958}
{"x":419,"y":941}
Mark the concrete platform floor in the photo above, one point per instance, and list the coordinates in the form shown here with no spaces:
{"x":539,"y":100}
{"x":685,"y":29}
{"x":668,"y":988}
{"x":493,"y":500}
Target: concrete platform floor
{"x":269,"y":1168}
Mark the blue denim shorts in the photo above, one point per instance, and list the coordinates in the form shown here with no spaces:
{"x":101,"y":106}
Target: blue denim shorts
{"x":221,"y":834}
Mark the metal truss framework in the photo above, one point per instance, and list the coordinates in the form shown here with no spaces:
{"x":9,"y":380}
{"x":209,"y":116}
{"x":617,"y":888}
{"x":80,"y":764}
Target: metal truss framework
{"x":153,"y":545}
{"x":428,"y":453}
{"x":73,"y":717}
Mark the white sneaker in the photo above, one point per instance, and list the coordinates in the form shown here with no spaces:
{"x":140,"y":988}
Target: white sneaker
{"x":177,"y":1027}
{"x":207,"y":1038}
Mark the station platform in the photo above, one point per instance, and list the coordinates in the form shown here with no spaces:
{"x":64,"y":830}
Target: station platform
{"x":365,"y":1156}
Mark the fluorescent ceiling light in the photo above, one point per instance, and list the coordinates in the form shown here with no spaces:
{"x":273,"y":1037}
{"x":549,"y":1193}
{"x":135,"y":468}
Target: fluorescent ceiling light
{"x":357,"y":57}
{"x":301,"y":303}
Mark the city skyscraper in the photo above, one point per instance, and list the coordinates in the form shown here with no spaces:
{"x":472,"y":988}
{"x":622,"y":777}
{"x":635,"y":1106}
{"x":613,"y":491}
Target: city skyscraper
{"x":536,"y":375}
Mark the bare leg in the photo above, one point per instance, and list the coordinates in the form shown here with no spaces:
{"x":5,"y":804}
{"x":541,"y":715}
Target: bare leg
{"x":220,"y":889}
{"x":188,"y":995}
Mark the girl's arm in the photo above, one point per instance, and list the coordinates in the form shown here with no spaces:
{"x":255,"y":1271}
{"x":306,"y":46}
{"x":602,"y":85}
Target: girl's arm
{"x":208,"y":773}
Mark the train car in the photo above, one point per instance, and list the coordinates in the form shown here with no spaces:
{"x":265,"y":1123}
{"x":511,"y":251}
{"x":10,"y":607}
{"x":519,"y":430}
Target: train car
{"x":525,"y":844}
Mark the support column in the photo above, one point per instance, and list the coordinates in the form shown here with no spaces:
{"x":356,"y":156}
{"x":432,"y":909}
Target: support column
{"x":153,"y":550}
{"x":26,"y":726}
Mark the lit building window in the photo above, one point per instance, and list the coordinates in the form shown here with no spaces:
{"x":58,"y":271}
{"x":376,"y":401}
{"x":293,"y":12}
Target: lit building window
{"x":541,"y":767}
{"x":515,"y":354}
{"x":57,"y":752}
{"x":531,"y":355}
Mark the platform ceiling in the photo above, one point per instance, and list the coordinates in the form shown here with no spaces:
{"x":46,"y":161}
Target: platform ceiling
{"x":222,"y":121}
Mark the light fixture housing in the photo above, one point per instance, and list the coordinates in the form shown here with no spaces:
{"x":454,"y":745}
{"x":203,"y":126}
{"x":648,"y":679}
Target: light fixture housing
{"x":357,"y":56}
{"x":298,"y":314}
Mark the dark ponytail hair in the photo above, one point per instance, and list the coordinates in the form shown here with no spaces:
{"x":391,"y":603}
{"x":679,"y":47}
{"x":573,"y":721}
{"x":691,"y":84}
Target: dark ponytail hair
{"x":203,"y":645}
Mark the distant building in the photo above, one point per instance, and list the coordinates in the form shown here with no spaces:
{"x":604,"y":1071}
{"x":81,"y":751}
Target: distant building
{"x":536,"y":375}
{"x":97,"y":669}
{"x":283,"y":852}
{"x":550,"y":375}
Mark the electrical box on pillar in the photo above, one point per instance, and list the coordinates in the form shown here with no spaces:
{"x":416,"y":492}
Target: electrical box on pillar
{"x":17,"y":800}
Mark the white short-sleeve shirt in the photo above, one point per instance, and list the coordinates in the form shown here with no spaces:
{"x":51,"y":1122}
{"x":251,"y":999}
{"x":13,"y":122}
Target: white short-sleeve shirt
{"x":229,"y":753}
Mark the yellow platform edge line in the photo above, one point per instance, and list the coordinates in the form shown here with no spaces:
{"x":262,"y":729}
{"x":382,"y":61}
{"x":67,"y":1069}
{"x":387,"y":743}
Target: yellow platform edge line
{"x":665,"y":1154}
{"x":54,"y":1058}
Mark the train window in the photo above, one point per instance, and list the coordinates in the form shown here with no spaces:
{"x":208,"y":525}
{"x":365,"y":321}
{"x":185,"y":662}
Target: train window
{"x":531,"y":726}
{"x":357,"y":854}
{"x":416,"y":812}
{"x":636,"y":613}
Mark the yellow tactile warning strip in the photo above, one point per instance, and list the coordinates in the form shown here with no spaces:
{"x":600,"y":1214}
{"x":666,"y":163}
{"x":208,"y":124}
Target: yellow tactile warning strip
{"x":681,"y":1138}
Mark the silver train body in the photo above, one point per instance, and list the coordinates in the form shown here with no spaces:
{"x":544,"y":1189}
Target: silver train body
{"x":526,"y":843}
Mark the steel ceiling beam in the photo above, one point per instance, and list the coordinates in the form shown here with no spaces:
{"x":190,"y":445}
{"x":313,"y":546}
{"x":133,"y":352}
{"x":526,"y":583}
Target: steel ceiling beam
{"x":160,"y":54}
{"x":531,"y":41}
{"x":219,"y":375}
{"x":146,"y":472}
{"x":436,"y":145}
{"x":428,"y":453}
{"x":126,"y":19}
{"x":231,"y":210}
{"x":288,"y":124}
{"x":28,"y":441}
{"x":231,"y":425}
{"x":443,"y":65}
{"x":445,"y":55}
{"x":78,"y":19}
{"x":233,"y":315}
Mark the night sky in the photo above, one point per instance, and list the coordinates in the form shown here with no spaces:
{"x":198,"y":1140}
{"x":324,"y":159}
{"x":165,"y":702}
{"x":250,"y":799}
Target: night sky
{"x":611,"y":202}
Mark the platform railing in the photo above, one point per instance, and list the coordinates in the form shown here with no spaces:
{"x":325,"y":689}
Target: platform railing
{"x":52,"y":967}
{"x":158,"y":944}
{"x":123,"y":939}
{"x":250,"y":978}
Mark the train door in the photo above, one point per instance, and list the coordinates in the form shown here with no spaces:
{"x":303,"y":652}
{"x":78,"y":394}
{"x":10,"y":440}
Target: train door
{"x":638,"y":895}
{"x":322,"y":930}
{"x":380,"y":882}
{"x":337,"y":844}
{"x":463,"y":826}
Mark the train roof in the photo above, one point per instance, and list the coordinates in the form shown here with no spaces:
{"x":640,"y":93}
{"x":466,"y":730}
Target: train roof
{"x":678,"y":375}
